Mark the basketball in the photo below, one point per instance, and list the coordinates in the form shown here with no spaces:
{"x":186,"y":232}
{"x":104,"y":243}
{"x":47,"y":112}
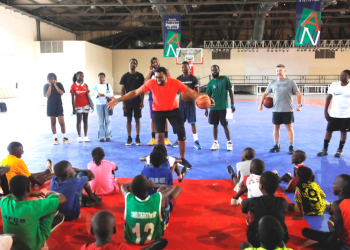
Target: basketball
{"x":185,"y":97}
{"x":203,"y":102}
{"x":268,"y":102}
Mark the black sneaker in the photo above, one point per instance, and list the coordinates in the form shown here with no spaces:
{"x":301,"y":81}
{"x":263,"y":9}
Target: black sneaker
{"x":90,"y":202}
{"x":186,"y":164}
{"x":183,"y":172}
{"x":102,"y":140}
{"x":57,"y":220}
{"x":157,"y":245}
{"x":108,"y":139}
{"x":339,"y":153}
{"x":128,"y":142}
{"x":291,"y":150}
{"x":137,"y":141}
{"x":275,"y":149}
{"x":231,"y":171}
{"x":323,"y":152}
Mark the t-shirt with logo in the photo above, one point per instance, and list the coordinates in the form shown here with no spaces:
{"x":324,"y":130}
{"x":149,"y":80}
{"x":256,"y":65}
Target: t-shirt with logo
{"x":29,"y":220}
{"x":79,"y":91}
{"x":132,"y":82}
{"x":311,"y":196}
{"x":192,"y":82}
{"x":340,"y":100}
{"x":54,"y":102}
{"x":16,"y":165}
{"x":252,"y":183}
{"x":164,"y":97}
{"x":161,"y":175}
{"x":217,"y":90}
{"x":283,"y":91}
{"x":105,"y":89}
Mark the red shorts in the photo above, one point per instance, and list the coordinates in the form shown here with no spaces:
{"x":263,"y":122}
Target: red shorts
{"x":291,"y":185}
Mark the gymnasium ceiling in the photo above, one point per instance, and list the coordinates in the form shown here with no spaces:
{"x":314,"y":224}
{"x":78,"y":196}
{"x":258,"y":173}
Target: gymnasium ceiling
{"x":124,"y":24}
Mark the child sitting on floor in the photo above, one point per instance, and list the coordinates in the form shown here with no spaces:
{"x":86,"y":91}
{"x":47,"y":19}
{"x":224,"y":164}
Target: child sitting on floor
{"x":298,"y":159}
{"x":339,"y":235}
{"x":71,"y":182}
{"x":250,"y":183}
{"x":308,"y":195}
{"x":243,"y":167}
{"x":268,"y":204}
{"x":104,"y":182}
{"x":31,"y":221}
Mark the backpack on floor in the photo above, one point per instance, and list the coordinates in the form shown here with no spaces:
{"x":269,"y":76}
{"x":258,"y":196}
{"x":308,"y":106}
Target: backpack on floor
{"x":3,"y":107}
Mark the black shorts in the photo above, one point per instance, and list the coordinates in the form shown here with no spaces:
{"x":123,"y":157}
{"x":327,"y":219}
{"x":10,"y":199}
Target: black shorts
{"x":133,"y":108}
{"x":336,"y":124}
{"x":279,"y":118}
{"x":189,"y":114}
{"x":174,"y":116}
{"x":217,"y":115}
{"x":57,"y":111}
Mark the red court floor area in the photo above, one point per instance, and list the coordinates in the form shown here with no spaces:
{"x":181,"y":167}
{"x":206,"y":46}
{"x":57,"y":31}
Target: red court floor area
{"x":202,"y":219}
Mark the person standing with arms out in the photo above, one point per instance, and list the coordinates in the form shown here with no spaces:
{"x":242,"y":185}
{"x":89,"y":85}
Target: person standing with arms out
{"x":130,"y":81}
{"x":217,"y":89}
{"x":164,"y":90}
{"x":188,"y":107}
{"x":53,"y":90}
{"x":80,"y":103}
{"x":283,"y":90}
{"x":339,"y":117}
{"x":103,"y":91}
{"x":151,"y":75}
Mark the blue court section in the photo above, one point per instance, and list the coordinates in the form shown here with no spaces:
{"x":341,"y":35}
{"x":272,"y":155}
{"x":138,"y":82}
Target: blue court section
{"x":249,"y":128}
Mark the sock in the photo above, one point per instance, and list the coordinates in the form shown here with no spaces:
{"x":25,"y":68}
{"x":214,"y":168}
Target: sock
{"x":63,"y":135}
{"x":325,"y":144}
{"x":153,"y":135}
{"x":195,"y":137}
{"x":291,"y":143}
{"x":137,"y":136}
{"x":166,"y":134}
{"x":277,"y":143}
{"x":55,"y":136}
{"x":229,"y":142}
{"x":341,"y":145}
{"x":216,"y":141}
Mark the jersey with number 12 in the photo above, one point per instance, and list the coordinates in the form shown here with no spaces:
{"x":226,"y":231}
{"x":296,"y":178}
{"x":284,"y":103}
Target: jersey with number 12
{"x":144,"y":222}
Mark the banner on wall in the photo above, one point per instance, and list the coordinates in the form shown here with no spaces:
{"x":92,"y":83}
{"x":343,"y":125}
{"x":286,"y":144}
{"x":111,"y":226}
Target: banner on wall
{"x":308,"y":22}
{"x":172,"y":34}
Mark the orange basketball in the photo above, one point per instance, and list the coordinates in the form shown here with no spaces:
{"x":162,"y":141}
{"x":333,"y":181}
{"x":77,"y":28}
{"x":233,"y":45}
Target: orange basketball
{"x":185,"y":97}
{"x":203,"y":102}
{"x":268,"y":102}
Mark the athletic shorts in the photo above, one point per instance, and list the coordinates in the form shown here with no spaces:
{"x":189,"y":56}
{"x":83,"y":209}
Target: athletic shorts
{"x":150,"y":109}
{"x":133,"y":108}
{"x":188,"y":114}
{"x":174,"y":116}
{"x":279,"y":118}
{"x":57,"y":112}
{"x":336,"y":124}
{"x":217,"y":115}
{"x":85,"y":109}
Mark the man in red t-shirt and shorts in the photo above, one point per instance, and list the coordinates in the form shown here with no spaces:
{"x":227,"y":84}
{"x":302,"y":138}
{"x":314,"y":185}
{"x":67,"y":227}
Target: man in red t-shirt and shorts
{"x":164,"y":90}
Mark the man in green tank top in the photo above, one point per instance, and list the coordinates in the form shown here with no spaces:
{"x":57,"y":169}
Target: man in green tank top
{"x":147,"y":216}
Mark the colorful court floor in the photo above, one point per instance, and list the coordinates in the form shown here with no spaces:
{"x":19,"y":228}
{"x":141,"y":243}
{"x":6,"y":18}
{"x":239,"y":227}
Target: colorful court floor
{"x":249,"y":128}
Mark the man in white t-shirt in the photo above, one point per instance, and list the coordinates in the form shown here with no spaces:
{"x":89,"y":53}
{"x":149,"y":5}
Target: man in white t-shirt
{"x":339,"y":117}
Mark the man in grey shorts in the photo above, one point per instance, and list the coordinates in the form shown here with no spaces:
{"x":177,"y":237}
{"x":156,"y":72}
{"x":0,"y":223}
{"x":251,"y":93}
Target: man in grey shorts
{"x":283,"y":90}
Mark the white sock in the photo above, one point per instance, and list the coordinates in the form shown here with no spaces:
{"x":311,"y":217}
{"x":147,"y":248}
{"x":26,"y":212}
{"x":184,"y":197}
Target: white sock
{"x":55,"y":136}
{"x":216,"y":141}
{"x":195,"y":137}
{"x":229,"y":141}
{"x":63,"y":135}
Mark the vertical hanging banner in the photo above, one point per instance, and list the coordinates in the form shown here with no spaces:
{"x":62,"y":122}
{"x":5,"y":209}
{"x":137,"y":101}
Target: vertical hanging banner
{"x":172,"y":34}
{"x":308,"y":22}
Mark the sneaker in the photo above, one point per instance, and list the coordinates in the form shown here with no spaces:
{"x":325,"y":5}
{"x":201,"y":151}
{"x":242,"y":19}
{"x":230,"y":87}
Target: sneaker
{"x":323,"y":152}
{"x":137,"y":141}
{"x":330,"y":224}
{"x":108,"y":139}
{"x":186,"y":164}
{"x":157,"y":245}
{"x":275,"y":149}
{"x":86,"y":139}
{"x":176,"y":144}
{"x":102,"y":140}
{"x":231,"y":171}
{"x":276,"y":173}
{"x":339,"y":153}
{"x":229,"y":146}
{"x":183,"y":173}
{"x":291,"y":150}
{"x":90,"y":202}
{"x":167,"y":142}
{"x":197,"y":145}
{"x":80,"y":139}
{"x":128,"y":142}
{"x":152,"y":142}
{"x":55,"y":142}
{"x":49,"y":166}
{"x":57,"y":220}
{"x":65,"y":140}
{"x":236,"y":202}
{"x":215,"y":146}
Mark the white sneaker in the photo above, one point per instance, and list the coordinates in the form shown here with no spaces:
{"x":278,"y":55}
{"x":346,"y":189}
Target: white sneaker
{"x":86,"y":139}
{"x":235,"y":202}
{"x":215,"y":146}
{"x":229,"y":146}
{"x":80,"y":139}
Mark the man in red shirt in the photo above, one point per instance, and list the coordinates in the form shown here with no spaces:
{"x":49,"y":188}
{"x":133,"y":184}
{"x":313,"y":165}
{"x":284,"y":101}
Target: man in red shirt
{"x":164,"y":90}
